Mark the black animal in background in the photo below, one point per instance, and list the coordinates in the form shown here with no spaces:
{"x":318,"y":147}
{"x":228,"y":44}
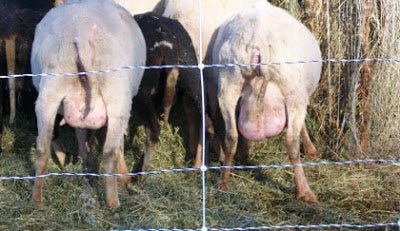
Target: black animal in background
{"x":168,"y":43}
{"x":17,"y":25}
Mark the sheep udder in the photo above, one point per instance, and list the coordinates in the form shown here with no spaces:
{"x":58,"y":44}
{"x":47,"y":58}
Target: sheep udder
{"x":84,"y":108}
{"x":264,"y":118}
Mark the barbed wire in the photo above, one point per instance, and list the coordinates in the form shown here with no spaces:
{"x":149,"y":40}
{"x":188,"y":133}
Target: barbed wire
{"x":209,"y":168}
{"x":201,"y":66}
{"x":280,"y":227}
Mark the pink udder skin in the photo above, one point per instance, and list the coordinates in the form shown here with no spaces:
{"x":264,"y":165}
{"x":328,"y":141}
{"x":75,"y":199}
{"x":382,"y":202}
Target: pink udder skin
{"x":256,"y":123}
{"x":74,"y":111}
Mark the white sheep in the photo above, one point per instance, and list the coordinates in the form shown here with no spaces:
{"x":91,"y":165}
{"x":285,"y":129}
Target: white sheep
{"x":83,"y":36}
{"x":270,"y":97}
{"x":214,"y":12}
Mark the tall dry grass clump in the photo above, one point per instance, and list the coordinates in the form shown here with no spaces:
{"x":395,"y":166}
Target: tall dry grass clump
{"x":386,"y":94}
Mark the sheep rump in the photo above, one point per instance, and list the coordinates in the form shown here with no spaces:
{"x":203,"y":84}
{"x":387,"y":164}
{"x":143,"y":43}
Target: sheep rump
{"x":84,"y":36}
{"x":269,"y":96}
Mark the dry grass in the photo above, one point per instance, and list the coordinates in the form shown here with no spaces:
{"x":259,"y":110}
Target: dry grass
{"x":386,"y":101}
{"x":355,"y":194}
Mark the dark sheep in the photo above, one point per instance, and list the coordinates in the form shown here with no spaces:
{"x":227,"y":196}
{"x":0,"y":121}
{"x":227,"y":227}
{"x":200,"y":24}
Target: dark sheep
{"x":17,"y":25}
{"x":168,"y":43}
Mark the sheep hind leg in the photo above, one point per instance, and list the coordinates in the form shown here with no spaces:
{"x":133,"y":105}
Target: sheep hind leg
{"x":90,"y":162}
{"x":296,"y":117}
{"x":243,"y":149}
{"x":146,"y":159}
{"x":112,"y":152}
{"x":152,"y":130}
{"x":11,"y":62}
{"x":122,"y":168}
{"x":150,"y":148}
{"x":170,"y":92}
{"x":109,"y":162}
{"x":214,"y":140}
{"x":228,"y":98}
{"x":308,"y":146}
{"x":45,"y":112}
{"x":231,"y":141}
{"x":192,"y":117}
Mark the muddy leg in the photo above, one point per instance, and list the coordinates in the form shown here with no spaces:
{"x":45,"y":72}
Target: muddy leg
{"x":45,"y":112}
{"x":228,"y":98}
{"x":111,"y":155}
{"x":296,"y":117}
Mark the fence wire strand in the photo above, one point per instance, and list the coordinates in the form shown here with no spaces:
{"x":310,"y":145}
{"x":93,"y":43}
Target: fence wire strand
{"x":202,"y":66}
{"x":204,"y":168}
{"x":283,"y":227}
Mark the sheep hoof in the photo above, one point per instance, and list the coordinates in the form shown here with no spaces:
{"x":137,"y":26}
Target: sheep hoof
{"x":223,"y":185}
{"x":308,"y":197}
{"x":113,"y":204}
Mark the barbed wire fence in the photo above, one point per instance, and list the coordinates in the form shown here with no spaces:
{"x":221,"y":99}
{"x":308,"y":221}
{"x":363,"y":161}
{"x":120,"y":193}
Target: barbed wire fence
{"x":204,"y":168}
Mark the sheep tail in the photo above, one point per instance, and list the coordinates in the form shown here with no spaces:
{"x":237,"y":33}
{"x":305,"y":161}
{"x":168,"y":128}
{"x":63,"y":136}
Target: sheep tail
{"x":83,"y":79}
